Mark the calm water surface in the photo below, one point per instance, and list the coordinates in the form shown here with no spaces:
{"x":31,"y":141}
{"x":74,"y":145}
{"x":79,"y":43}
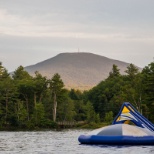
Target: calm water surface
{"x":59,"y":142}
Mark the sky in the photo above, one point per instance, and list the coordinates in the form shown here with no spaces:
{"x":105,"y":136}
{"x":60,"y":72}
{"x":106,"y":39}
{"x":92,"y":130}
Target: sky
{"x":32,"y":31}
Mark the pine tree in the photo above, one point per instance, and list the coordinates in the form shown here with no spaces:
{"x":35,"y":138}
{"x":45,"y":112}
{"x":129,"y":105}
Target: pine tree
{"x":115,"y":72}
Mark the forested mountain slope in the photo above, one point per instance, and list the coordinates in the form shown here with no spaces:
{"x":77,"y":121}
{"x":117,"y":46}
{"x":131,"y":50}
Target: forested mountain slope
{"x":78,"y":70}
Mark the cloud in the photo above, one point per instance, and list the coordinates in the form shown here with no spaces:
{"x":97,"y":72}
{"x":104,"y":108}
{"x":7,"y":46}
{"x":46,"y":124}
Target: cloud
{"x":66,"y":19}
{"x":40,"y":29}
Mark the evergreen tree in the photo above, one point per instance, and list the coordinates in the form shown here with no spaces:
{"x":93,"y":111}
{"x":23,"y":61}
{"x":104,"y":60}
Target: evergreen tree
{"x":132,"y":71}
{"x":25,"y":85}
{"x":56,"y":86}
{"x":20,"y":74}
{"x":148,"y":78}
{"x":2,"y":69}
{"x":115,"y":72}
{"x":8,"y":95}
{"x":133,"y":88}
{"x":40,"y":87}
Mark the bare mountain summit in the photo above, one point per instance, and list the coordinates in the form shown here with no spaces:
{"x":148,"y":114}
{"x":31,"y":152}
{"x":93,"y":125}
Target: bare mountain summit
{"x":78,"y":70}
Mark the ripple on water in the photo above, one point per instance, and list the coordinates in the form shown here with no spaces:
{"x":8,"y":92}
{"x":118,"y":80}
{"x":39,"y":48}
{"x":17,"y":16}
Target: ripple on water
{"x":59,"y":142}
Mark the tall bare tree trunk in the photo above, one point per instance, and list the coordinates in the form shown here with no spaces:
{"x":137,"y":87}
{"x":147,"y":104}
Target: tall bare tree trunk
{"x":54,"y":107}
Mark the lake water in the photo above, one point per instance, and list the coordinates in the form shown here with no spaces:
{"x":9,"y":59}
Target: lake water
{"x":59,"y":142}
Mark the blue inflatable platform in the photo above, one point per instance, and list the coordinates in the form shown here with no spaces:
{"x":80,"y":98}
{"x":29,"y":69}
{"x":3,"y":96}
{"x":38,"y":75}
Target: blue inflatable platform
{"x":120,"y":132}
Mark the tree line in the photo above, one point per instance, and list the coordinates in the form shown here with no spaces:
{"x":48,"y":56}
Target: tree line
{"x":34,"y":101}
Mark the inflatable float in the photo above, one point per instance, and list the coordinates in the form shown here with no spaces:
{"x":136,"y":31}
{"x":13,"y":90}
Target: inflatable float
{"x":120,"y":132}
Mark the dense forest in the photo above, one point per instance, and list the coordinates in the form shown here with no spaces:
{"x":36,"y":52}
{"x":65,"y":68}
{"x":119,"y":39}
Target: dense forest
{"x":37,"y":102}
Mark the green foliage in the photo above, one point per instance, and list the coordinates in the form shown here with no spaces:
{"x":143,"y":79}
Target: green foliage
{"x":35,"y":102}
{"x":66,"y":109}
{"x":90,"y":112}
{"x":91,"y":116}
{"x":56,"y":86}
{"x":75,"y":94}
{"x":80,"y":110}
{"x":38,"y":114}
{"x":21,"y":113}
{"x":132,"y":70}
{"x":20,"y":74}
{"x":115,"y":72}
{"x":148,"y":81}
{"x":108,"y":117}
{"x":3,"y":72}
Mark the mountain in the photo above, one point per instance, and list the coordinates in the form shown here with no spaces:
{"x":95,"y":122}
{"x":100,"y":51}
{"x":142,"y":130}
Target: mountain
{"x":78,"y":70}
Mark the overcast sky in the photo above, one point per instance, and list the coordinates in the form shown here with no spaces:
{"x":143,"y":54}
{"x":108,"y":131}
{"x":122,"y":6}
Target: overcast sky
{"x":35,"y":30}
